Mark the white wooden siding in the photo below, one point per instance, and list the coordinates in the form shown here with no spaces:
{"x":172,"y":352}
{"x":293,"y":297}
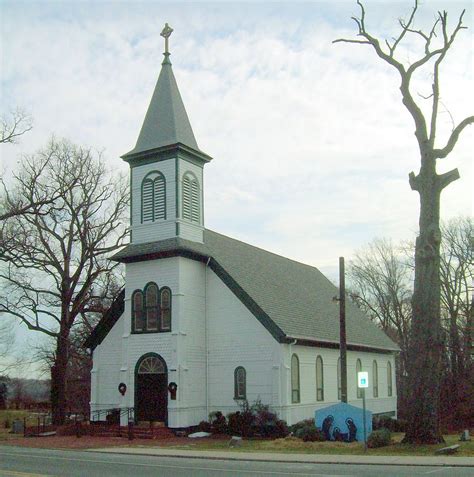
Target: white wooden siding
{"x":237,"y":338}
{"x":308,"y":404}
{"x":200,"y":302}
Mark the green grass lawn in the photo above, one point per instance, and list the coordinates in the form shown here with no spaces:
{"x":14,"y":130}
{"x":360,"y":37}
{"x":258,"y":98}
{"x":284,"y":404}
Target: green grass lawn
{"x":7,"y":416}
{"x":294,"y":445}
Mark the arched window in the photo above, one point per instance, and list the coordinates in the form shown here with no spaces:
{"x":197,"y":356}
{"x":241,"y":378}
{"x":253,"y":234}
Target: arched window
{"x":151,"y":306}
{"x":151,"y":365}
{"x":151,"y":309}
{"x":339,"y":382}
{"x":153,"y":197}
{"x":240,"y":383}
{"x":165,"y":309}
{"x":138,"y":322}
{"x":389,"y":379}
{"x":375,"y":379}
{"x":319,"y":379}
{"x":358,"y":370}
{"x":191,"y":198}
{"x":295,"y":379}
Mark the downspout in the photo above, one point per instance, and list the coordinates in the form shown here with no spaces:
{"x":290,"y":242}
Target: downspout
{"x":206,"y":337}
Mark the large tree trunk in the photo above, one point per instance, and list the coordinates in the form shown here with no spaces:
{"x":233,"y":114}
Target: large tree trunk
{"x":425,"y":352}
{"x":58,"y":380}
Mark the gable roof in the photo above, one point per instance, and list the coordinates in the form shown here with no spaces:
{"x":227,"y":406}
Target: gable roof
{"x":292,"y":300}
{"x":166,"y":121}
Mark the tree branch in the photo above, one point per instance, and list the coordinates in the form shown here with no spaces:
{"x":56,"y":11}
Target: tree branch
{"x":442,"y":153}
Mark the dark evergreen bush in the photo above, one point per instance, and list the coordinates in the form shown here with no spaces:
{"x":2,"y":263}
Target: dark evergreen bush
{"x":305,"y":423}
{"x":310,"y":433}
{"x":386,"y":422}
{"x":379,"y":438}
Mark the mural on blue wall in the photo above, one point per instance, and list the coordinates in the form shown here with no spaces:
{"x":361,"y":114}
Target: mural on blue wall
{"x":343,"y":422}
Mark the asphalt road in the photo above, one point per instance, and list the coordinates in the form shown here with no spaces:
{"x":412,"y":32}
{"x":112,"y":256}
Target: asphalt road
{"x":24,"y":462}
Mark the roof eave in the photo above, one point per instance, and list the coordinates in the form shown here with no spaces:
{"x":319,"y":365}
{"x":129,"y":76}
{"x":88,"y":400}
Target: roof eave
{"x":134,"y":156}
{"x":308,"y":341}
{"x":180,"y":251}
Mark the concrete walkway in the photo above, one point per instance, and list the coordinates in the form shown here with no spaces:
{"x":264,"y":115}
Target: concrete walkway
{"x":290,"y":458}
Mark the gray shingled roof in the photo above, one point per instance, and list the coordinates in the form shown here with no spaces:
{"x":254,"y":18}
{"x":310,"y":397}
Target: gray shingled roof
{"x":296,"y":297}
{"x":166,"y":121}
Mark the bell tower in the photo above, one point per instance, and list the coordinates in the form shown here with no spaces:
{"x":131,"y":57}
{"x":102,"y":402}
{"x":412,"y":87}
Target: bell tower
{"x":166,"y":167}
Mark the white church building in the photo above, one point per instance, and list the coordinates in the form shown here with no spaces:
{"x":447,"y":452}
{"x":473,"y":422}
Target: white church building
{"x":206,"y":321}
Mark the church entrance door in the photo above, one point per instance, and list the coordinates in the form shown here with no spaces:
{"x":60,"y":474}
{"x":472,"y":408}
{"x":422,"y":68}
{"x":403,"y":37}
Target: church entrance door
{"x":151,"y":389}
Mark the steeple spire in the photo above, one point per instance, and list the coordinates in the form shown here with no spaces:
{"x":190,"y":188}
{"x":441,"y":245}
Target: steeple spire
{"x":166,"y":122}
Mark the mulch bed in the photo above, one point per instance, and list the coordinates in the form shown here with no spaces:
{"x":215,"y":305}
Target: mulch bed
{"x":94,"y":442}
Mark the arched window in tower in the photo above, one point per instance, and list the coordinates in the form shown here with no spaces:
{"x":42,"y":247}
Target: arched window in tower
{"x":153,"y":197}
{"x":137,"y":311}
{"x":151,"y":306}
{"x":191,"y":198}
{"x":165,"y":309}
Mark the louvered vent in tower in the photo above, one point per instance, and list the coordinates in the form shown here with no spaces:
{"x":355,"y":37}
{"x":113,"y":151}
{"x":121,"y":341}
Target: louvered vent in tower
{"x":191,"y":202}
{"x":153,"y":197}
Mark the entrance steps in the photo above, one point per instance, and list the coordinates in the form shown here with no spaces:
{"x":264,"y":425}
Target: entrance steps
{"x":151,"y":424}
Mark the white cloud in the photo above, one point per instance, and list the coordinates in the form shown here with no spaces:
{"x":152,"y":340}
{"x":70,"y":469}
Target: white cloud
{"x":312,"y":145}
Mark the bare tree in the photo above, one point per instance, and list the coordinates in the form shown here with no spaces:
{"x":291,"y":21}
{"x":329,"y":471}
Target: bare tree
{"x":60,"y":249}
{"x":7,"y":341}
{"x":457,"y":274}
{"x":105,"y":290}
{"x":425,"y":341}
{"x":15,"y":126}
{"x":381,"y":284}
{"x":10,"y":205}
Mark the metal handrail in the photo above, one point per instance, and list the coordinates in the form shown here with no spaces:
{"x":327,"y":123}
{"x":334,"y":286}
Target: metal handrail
{"x":129,"y":411}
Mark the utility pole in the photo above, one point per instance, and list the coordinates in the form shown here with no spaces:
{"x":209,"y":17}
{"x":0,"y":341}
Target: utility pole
{"x":342,"y":329}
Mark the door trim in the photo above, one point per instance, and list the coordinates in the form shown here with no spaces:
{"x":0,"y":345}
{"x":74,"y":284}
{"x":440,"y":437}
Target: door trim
{"x":135,"y":397}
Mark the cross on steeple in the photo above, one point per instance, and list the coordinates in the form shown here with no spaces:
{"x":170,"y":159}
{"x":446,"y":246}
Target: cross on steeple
{"x":166,"y":33}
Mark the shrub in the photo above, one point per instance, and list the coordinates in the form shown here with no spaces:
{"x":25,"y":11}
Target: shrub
{"x":204,"y":426}
{"x":307,"y":431}
{"x":268,"y":425}
{"x":218,"y":423}
{"x":386,"y":422}
{"x":310,"y":433}
{"x":256,"y":420}
{"x":281,"y":429}
{"x":241,"y":423}
{"x":305,"y":423}
{"x":379,"y":438}
{"x":234,"y":421}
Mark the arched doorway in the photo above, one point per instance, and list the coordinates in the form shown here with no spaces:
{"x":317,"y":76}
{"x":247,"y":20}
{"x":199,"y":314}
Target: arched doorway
{"x":151,"y":389}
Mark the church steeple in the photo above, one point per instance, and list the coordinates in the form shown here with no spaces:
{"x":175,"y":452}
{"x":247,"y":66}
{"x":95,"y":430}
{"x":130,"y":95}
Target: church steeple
{"x":166,"y":179}
{"x":166,"y":121}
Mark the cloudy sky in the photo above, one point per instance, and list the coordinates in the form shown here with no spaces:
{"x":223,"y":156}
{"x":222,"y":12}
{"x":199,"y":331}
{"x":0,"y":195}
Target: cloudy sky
{"x":311,"y":144}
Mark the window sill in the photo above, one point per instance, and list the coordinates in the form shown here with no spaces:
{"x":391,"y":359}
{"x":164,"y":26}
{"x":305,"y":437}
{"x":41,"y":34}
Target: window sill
{"x":147,"y":332}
